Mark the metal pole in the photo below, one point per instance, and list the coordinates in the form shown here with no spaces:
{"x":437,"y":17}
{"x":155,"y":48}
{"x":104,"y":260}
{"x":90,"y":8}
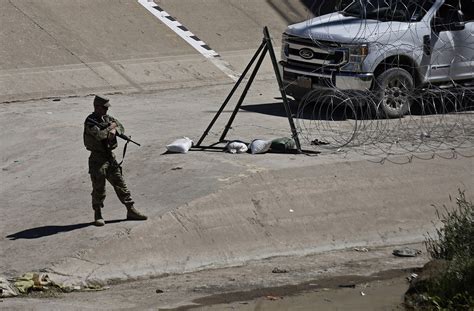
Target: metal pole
{"x":242,"y":76}
{"x":282,"y":89}
{"x":244,"y":93}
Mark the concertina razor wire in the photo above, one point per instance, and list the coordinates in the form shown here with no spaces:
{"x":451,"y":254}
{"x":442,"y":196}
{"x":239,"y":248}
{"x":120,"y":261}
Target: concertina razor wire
{"x":422,"y":95}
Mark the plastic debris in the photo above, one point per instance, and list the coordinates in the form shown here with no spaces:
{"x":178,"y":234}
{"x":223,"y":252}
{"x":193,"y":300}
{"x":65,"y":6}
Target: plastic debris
{"x":425,"y":135}
{"x":362,"y":249}
{"x":317,"y":142}
{"x":32,"y":281}
{"x":270,"y":297}
{"x":7,"y":289}
{"x":406,"y":252}
{"x":362,"y":293}
{"x":278,"y":270}
{"x":411,"y":277}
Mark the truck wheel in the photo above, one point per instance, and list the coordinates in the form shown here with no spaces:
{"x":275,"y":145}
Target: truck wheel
{"x":394,"y":93}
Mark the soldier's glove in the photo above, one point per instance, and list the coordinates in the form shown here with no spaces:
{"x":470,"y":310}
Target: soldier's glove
{"x":111,"y":135}
{"x":112,"y":126}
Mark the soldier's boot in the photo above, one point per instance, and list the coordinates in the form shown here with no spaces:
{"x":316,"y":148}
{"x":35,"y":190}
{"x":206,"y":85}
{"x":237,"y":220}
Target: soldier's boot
{"x":133,"y":214}
{"x":98,"y":219}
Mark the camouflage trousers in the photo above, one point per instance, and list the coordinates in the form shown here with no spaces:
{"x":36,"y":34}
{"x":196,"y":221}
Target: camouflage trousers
{"x":101,"y":170}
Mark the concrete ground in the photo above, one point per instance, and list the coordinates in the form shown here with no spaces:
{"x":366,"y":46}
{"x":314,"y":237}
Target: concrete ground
{"x":208,"y":209}
{"x":327,"y":280}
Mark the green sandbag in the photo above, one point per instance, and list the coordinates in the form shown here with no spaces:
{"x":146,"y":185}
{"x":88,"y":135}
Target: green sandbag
{"x":283,"y":144}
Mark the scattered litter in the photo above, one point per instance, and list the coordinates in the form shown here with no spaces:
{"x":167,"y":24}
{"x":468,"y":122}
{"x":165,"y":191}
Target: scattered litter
{"x":32,"y":281}
{"x":236,"y":147}
{"x":347,"y":285}
{"x":406,"y":252}
{"x":181,"y":145}
{"x":56,"y":99}
{"x":278,"y":270}
{"x":270,"y":297}
{"x":362,"y":293}
{"x":259,"y":146}
{"x":362,"y":249}
{"x":159,"y":291}
{"x":176,"y":168}
{"x":340,"y":150}
{"x":291,"y":211}
{"x":95,"y":288}
{"x":7,"y":289}
{"x":412,"y":277}
{"x":318,"y":142}
{"x":424,"y":135}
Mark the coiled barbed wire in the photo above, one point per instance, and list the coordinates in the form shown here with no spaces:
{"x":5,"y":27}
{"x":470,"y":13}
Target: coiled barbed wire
{"x":422,"y":96}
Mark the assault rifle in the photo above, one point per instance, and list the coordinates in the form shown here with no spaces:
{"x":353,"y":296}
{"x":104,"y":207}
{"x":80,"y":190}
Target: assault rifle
{"x":102,"y":127}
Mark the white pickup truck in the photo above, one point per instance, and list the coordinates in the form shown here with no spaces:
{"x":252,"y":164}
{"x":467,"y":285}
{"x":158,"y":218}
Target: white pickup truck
{"x":388,"y":47}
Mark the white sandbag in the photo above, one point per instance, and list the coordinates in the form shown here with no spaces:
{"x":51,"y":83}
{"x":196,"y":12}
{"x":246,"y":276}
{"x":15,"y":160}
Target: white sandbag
{"x":260,"y":146}
{"x":236,"y":147}
{"x":181,"y":145}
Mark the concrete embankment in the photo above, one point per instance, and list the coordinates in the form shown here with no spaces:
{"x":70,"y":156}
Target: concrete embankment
{"x":293,"y":211}
{"x":61,"y":48}
{"x":205,"y":211}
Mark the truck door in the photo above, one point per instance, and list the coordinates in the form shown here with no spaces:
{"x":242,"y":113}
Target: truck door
{"x":464,"y":44}
{"x":452,"y":49}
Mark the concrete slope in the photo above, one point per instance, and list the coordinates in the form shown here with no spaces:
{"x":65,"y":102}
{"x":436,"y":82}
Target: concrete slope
{"x":214,"y":208}
{"x":66,"y":47}
{"x":297,"y":211}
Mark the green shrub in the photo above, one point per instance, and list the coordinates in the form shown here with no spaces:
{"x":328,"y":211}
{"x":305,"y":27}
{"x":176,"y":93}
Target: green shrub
{"x":456,"y":237}
{"x":453,"y":287}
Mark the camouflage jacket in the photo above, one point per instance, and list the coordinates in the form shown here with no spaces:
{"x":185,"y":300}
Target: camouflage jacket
{"x":96,"y":139}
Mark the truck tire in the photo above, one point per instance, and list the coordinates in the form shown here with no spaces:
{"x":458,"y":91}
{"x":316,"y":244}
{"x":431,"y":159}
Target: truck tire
{"x":393,"y":93}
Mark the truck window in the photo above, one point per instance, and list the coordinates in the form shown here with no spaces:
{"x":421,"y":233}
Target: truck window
{"x":448,"y":12}
{"x":386,"y":10}
{"x":467,"y":7}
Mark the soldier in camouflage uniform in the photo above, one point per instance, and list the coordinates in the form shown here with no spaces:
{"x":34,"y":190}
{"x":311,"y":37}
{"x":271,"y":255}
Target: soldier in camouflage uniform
{"x":100,"y":141}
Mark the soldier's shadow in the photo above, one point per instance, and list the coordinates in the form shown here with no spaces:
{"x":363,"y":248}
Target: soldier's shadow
{"x":39,"y":232}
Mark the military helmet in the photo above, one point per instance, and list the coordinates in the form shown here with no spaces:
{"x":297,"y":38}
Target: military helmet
{"x":101,"y":101}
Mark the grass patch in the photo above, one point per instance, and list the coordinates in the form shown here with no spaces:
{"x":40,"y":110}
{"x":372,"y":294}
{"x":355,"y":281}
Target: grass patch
{"x":448,"y":280}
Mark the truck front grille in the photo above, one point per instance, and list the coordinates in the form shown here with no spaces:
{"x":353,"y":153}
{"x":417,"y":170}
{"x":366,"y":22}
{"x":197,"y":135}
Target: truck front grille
{"x":315,"y":54}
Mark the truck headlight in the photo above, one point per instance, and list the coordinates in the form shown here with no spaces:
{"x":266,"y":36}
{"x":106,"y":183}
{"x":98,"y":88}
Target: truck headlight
{"x":285,"y":47}
{"x":358,"y":50}
{"x":356,"y":55}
